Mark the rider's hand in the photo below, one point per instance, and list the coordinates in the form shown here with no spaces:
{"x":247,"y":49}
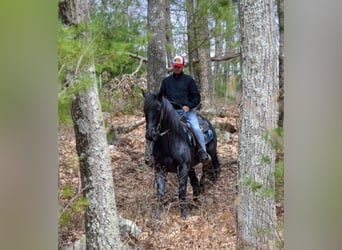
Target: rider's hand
{"x":186,"y":108}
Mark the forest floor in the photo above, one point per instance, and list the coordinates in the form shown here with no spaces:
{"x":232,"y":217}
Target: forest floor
{"x":210,"y":223}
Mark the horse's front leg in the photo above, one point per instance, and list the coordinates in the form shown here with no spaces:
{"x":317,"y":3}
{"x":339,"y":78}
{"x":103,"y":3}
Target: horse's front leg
{"x":160,"y":179}
{"x":183,"y":180}
{"x":194,"y":183}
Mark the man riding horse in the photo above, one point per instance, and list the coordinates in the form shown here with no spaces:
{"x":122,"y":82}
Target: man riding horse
{"x":182,"y":92}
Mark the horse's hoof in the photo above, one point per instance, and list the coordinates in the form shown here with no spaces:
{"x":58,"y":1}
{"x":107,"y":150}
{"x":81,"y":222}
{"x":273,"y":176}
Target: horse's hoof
{"x":196,"y":193}
{"x":183,"y":215}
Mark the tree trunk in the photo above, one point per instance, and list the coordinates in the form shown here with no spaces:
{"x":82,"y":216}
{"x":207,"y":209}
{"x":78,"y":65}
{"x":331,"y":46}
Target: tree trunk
{"x":205,"y":77}
{"x":102,"y":225}
{"x":281,"y":63}
{"x":199,"y":51}
{"x":156,"y":54}
{"x":256,"y":215}
{"x":169,"y":36}
{"x":191,"y":33}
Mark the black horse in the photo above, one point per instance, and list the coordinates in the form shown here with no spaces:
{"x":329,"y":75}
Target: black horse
{"x":173,"y":149}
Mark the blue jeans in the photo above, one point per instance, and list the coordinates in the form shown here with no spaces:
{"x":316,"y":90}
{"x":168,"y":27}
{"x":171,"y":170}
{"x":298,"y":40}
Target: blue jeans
{"x":191,"y":118}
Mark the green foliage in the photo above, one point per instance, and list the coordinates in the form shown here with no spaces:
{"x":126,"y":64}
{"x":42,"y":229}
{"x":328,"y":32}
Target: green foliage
{"x":111,"y":35}
{"x":220,"y":89}
{"x":252,"y":183}
{"x":115,"y":37}
{"x":279,"y":170}
{"x":106,"y":105}
{"x":67,"y":191}
{"x":64,"y":104}
{"x":64,"y":219}
{"x":74,"y":208}
{"x":275,"y":139}
{"x":258,"y":188}
{"x":79,"y":204}
{"x":266,"y":159}
{"x":65,"y":97}
{"x":279,"y":180}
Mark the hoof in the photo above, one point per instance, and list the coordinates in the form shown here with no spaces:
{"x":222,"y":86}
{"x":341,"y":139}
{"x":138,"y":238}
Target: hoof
{"x":196,"y":193}
{"x":183,"y":215}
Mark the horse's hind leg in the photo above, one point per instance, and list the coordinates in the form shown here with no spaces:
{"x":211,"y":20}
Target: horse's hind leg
{"x":212,"y":171}
{"x":194,"y":184}
{"x":183,"y":180}
{"x":160,"y":179}
{"x":216,"y":165}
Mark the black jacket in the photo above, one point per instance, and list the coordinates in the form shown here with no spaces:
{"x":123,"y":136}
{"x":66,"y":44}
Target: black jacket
{"x":180,"y":89}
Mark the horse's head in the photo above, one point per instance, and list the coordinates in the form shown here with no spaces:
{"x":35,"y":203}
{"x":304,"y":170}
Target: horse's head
{"x":152,"y":110}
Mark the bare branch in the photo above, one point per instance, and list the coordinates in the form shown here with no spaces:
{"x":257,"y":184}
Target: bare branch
{"x":140,"y":63}
{"x":227,"y":57}
{"x":144,"y":59}
{"x":72,"y":200}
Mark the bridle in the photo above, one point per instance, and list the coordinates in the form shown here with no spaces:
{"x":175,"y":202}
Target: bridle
{"x":159,"y":125}
{"x":161,"y":117}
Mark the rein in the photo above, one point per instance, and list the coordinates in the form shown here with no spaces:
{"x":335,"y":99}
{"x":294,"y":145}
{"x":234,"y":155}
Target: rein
{"x":161,"y":119}
{"x":158,"y":126}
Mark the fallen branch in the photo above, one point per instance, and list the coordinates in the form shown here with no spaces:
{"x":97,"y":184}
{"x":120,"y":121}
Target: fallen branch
{"x":126,"y":227}
{"x":226,"y":126}
{"x":113,"y":132}
{"x":130,"y":127}
{"x":129,"y":227}
{"x":232,"y":161}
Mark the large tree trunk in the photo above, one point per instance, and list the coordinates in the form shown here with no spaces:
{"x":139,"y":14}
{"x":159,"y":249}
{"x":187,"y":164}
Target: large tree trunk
{"x":281,"y":62}
{"x":256,"y":216}
{"x":205,"y":77}
{"x":102,"y":225}
{"x":156,"y":54}
{"x":170,"y":51}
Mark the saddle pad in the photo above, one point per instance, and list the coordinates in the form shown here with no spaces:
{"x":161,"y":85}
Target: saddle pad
{"x":202,"y":123}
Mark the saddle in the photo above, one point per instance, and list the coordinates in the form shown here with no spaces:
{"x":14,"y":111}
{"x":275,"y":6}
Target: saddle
{"x":206,"y":130}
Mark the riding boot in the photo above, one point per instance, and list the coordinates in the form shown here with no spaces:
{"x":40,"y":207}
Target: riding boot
{"x":204,"y":157}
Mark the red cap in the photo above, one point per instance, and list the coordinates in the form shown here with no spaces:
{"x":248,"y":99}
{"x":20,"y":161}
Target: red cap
{"x":178,"y":61}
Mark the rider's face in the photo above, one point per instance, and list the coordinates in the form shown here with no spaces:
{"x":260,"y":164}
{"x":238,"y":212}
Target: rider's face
{"x":177,"y":69}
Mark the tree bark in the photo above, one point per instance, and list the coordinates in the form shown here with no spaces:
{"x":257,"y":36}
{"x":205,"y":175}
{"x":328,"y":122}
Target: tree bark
{"x":199,"y":52}
{"x":205,"y":77}
{"x":102,"y":225}
{"x":191,"y":33}
{"x":256,"y":215}
{"x":281,"y":63}
{"x":156,"y":54}
{"x":170,"y":50}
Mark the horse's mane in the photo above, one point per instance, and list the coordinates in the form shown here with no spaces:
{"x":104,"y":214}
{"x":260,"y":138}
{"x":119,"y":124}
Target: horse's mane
{"x":170,"y":116}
